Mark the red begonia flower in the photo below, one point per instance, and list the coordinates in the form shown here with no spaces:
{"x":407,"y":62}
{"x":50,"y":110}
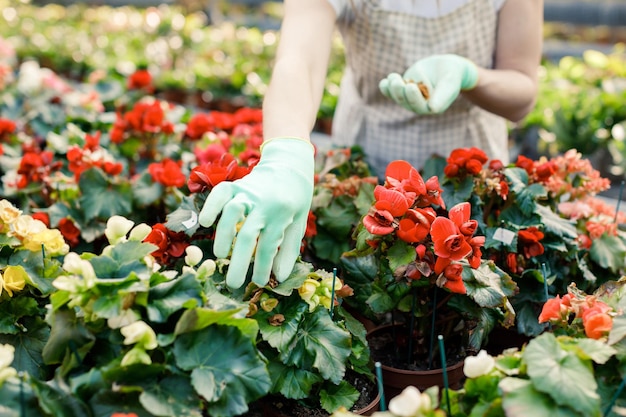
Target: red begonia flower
{"x":448,"y":240}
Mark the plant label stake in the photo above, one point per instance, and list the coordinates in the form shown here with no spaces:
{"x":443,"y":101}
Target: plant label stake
{"x":445,"y":372}
{"x":381,"y":390}
{"x":608,"y":409}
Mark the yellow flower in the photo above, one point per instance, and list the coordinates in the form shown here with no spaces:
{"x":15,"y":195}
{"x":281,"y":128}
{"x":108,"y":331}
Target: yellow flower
{"x":14,"y":279}
{"x":51,"y":239}
{"x":308,"y":289}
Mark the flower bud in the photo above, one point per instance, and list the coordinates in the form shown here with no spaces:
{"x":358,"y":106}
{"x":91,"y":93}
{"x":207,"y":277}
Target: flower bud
{"x":194,"y":255}
{"x":14,"y":279}
{"x":140,"y":232}
{"x":409,"y":403}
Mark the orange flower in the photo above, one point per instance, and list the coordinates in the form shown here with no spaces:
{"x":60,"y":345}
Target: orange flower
{"x":552,"y":310}
{"x":389,"y":205}
{"x":597,"y":322}
{"x":414,"y":227}
{"x":529,"y":240}
{"x":452,"y":279}
{"x":402,"y":176}
{"x":448,"y":240}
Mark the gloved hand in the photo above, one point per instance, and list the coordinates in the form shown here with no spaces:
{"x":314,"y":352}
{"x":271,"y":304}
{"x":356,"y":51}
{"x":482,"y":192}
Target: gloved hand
{"x":273,"y":202}
{"x":444,"y":76}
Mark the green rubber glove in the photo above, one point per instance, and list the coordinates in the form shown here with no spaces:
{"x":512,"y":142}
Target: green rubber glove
{"x":443,"y":75}
{"x":273,"y":202}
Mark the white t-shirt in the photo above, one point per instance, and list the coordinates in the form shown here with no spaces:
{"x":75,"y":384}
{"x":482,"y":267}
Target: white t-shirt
{"x":422,"y":8}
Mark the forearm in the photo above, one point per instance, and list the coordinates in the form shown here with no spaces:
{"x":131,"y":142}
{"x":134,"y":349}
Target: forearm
{"x":507,"y":93}
{"x":291,"y":101}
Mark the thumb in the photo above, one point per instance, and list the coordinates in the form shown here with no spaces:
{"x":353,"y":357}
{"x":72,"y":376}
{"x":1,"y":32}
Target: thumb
{"x":444,"y":93}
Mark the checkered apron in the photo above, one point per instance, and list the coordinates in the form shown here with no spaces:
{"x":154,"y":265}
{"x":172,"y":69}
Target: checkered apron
{"x":378,"y":42}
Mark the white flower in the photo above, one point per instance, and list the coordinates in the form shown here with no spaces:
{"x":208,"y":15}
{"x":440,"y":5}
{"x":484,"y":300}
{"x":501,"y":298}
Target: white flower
{"x":142,"y":334}
{"x":140,"y":232}
{"x":117,"y":228}
{"x":8,"y":212}
{"x":74,"y":264}
{"x":410,"y":403}
{"x":194,"y":255}
{"x":126,"y":318}
{"x":478,"y":365}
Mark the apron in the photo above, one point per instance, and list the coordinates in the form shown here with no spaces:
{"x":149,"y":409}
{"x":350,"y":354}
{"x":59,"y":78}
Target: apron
{"x":378,"y":42}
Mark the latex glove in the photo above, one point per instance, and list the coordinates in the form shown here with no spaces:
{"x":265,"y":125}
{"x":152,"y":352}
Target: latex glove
{"x":273,"y":202}
{"x":443,"y":75}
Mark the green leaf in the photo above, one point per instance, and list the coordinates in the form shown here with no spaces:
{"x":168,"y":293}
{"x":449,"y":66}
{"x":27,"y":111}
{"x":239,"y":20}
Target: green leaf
{"x":18,"y":400}
{"x":13,"y":309}
{"x":556,"y":224}
{"x":58,"y":402}
{"x":131,"y":252}
{"x":184,"y":218}
{"x":618,"y":331}
{"x":292,"y":382}
{"x":102,"y":199}
{"x":339,"y":395}
{"x":488,"y":285}
{"x":401,"y":254}
{"x":67,"y":334}
{"x":106,"y":403}
{"x":517,"y":178}
{"x":29,"y":346}
{"x":609,"y":252}
{"x":145,"y":190}
{"x":280,"y":337}
{"x":199,"y":318}
{"x":172,"y":396}
{"x":225,"y":368}
{"x":322,"y":343}
{"x":338,"y":218}
{"x":561,"y":374}
{"x":169,"y":297}
{"x":521,"y":399}
{"x":593,"y":349}
{"x":527,"y":199}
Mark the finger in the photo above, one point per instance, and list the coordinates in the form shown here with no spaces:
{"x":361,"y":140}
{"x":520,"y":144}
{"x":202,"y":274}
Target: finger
{"x":290,"y":249}
{"x":218,"y":197}
{"x":243,"y":251}
{"x":266,"y":250}
{"x":446,"y":91}
{"x":396,"y":89}
{"x":233,"y":213}
{"x":415,"y":99}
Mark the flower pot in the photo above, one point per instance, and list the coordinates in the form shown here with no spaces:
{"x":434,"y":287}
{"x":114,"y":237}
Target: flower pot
{"x":396,"y":379}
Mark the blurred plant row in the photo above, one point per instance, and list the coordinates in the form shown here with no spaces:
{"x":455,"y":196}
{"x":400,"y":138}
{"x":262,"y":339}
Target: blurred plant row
{"x":186,"y":55}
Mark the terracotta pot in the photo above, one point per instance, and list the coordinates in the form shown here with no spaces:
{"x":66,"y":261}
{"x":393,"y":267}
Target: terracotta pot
{"x":396,"y":379}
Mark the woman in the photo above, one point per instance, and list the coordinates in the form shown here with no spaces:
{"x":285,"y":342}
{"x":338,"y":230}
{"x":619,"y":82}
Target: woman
{"x":467,"y":66}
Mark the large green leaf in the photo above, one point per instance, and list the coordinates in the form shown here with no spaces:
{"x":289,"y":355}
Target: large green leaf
{"x":609,"y":252}
{"x":199,"y":318}
{"x":29,"y":346}
{"x":169,"y":297}
{"x":68,"y":334}
{"x":280,"y":337}
{"x":172,"y":396}
{"x":290,"y":381}
{"x":102,"y":199}
{"x":401,"y":254}
{"x":184,"y":218}
{"x":521,"y":399}
{"x":13,"y":309}
{"x":562,"y":374}
{"x":339,"y":217}
{"x":320,"y":342}
{"x":340,"y":395}
{"x":226,"y":369}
